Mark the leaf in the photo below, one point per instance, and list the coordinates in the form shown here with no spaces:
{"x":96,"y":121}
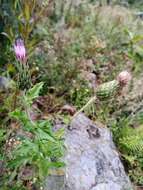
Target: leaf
{"x":10,"y":68}
{"x":33,"y":93}
{"x":60,"y":133}
{"x":27,"y":11}
{"x":42,"y":165}
{"x":26,"y":149}
{"x":44,"y":136}
{"x":138,"y":50}
{"x":2,"y":135}
{"x":19,"y":116}
{"x":8,"y":36}
{"x":13,"y":175}
{"x":56,"y":164}
{"x":44,"y":123}
{"x":129,"y":33}
{"x":23,"y":118}
{"x":16,"y":4}
{"x":17,"y":162}
{"x":130,"y":159}
{"x":137,"y":38}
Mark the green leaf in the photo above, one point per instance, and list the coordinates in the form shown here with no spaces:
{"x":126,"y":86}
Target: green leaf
{"x":2,"y":135}
{"x":7,"y":36}
{"x":43,"y":167}
{"x":33,"y":93}
{"x":44,"y":123}
{"x":137,"y":38}
{"x":138,"y":50}
{"x":27,"y":11}
{"x":19,"y":116}
{"x":27,"y":148}
{"x":16,"y":114}
{"x":41,"y":135}
{"x":60,"y":133}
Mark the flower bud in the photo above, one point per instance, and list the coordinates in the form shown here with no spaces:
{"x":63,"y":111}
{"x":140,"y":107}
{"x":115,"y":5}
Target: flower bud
{"x":124,"y":77}
{"x":107,"y":90}
{"x":20,"y":50}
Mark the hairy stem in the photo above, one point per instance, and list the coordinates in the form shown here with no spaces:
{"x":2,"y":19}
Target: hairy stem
{"x":85,"y":106}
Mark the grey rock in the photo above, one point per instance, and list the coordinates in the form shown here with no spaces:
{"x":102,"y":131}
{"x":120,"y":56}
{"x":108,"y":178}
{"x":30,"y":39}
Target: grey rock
{"x":5,"y":83}
{"x":92,"y":162}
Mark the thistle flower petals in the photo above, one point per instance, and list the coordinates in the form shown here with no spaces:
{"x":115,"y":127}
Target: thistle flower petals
{"x":124,"y":77}
{"x":20,"y":50}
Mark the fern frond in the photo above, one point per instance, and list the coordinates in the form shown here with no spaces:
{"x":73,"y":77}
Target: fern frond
{"x":133,"y":142}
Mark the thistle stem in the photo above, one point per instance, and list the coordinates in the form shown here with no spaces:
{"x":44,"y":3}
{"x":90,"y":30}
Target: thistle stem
{"x":85,"y":106}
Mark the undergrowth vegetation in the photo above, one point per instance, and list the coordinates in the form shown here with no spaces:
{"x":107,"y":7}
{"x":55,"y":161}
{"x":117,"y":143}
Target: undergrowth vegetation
{"x":55,"y":54}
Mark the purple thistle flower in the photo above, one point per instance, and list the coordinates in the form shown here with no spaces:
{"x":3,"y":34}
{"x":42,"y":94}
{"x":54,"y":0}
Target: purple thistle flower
{"x":20,"y":50}
{"x":124,"y":78}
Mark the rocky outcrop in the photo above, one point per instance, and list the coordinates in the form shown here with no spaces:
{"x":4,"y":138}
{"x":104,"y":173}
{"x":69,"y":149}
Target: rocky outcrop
{"x":92,"y":161}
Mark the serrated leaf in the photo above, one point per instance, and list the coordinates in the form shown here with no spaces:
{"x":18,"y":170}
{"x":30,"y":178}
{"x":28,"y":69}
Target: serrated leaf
{"x":44,"y":136}
{"x":33,"y":93}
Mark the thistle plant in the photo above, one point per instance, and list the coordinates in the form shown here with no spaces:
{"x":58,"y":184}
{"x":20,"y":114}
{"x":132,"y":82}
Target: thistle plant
{"x":24,"y":78}
{"x":108,"y":90}
{"x":41,"y":149}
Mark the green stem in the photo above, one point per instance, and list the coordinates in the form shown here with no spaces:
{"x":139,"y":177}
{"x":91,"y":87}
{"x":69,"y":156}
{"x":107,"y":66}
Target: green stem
{"x":85,"y":106}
